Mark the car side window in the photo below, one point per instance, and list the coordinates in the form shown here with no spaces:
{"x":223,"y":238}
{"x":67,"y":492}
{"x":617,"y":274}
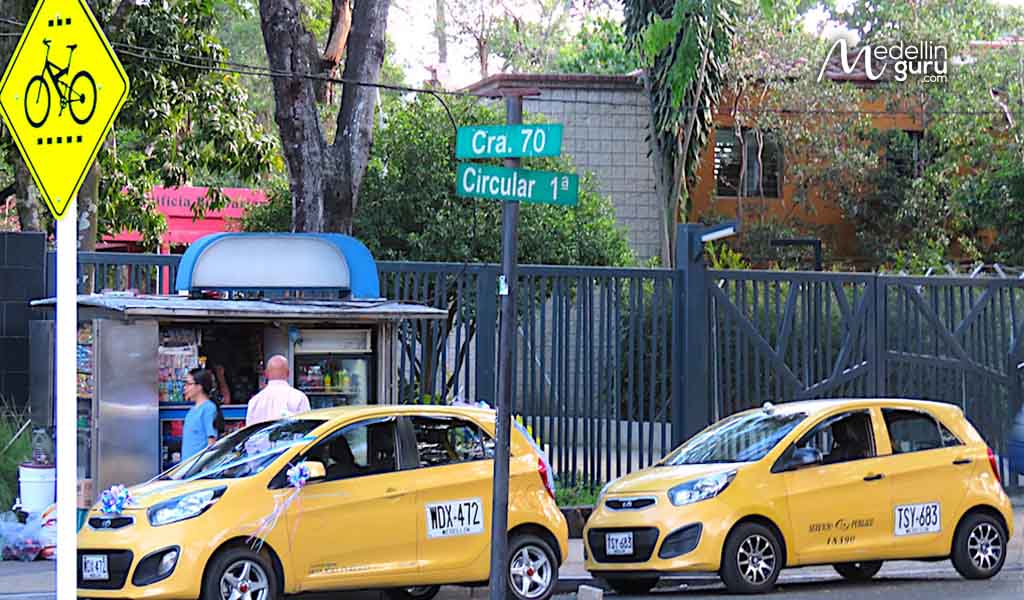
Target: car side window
{"x":842,"y":438}
{"x":948,"y":437}
{"x":912,"y":431}
{"x":357,"y":450}
{"x":447,"y":440}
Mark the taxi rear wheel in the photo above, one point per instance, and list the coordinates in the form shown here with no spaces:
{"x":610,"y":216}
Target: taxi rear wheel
{"x":979,"y":547}
{"x":634,"y":586}
{"x":532,"y":568}
{"x":858,"y":571}
{"x":240,"y":573}
{"x":751,"y":560}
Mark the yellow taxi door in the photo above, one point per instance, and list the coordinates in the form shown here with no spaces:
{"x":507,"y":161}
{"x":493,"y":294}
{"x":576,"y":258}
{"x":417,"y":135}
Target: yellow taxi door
{"x":453,"y":497}
{"x":929,"y":471}
{"x":358,"y":525}
{"x":837,"y":507}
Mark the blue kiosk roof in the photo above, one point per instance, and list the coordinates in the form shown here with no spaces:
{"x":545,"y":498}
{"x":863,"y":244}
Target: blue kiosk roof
{"x":280,"y":261}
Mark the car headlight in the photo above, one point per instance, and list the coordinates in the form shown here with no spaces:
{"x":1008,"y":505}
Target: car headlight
{"x":700,"y":489}
{"x":184,"y":507}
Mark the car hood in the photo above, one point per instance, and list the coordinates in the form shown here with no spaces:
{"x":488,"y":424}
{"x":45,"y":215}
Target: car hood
{"x":661,"y":479}
{"x":150,"y":494}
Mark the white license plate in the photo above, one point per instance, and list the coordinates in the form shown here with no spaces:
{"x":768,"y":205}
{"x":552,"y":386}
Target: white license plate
{"x":94,"y":567}
{"x":914,"y":519}
{"x":618,"y":544}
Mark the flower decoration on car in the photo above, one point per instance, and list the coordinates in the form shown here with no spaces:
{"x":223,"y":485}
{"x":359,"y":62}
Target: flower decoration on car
{"x":113,"y":500}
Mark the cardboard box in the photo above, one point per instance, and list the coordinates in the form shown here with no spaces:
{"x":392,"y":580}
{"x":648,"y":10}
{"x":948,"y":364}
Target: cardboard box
{"x":86,"y":496}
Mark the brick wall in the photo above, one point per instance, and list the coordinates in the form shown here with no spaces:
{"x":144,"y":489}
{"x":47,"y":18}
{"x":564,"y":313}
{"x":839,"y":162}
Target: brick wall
{"x":606,"y":120}
{"x":22,"y":265}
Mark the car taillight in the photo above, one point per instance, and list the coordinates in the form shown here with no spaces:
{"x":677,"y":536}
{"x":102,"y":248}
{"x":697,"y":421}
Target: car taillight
{"x":995,"y":467}
{"x":545,"y":476}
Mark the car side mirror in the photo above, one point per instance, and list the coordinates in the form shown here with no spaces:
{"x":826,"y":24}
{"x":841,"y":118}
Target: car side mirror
{"x":804,"y":457}
{"x":317,"y":470}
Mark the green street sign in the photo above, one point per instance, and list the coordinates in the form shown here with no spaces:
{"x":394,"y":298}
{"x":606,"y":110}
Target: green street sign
{"x":508,"y":141}
{"x":516,"y":185}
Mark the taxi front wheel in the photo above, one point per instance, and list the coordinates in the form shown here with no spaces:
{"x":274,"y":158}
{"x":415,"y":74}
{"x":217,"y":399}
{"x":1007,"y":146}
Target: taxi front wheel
{"x":858,"y":571}
{"x":751,"y":560}
{"x":979,"y":547}
{"x":532,"y":568}
{"x":240,"y":573}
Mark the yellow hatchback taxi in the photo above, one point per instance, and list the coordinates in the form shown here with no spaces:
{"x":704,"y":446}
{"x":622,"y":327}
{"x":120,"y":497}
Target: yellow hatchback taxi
{"x":398,"y":497}
{"x":850,"y":483}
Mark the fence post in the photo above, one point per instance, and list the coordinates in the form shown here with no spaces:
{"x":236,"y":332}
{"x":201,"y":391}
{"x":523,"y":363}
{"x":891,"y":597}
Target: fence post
{"x":486,"y":332}
{"x":691,"y":407}
{"x":879,"y":336}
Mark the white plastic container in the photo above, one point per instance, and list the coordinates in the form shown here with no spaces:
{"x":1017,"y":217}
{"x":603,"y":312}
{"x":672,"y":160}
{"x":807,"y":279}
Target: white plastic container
{"x":38,"y":486}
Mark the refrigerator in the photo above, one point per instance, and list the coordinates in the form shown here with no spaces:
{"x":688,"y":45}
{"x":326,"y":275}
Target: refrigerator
{"x":335,"y":367}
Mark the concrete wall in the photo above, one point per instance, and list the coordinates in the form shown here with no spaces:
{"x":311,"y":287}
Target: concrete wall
{"x":606,"y":121}
{"x":22,"y":266}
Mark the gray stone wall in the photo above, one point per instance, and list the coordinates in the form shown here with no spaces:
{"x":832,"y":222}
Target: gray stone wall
{"x":604,"y":134}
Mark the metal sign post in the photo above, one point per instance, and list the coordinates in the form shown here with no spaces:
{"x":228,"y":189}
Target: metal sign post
{"x":507,"y":289}
{"x":59,"y":96}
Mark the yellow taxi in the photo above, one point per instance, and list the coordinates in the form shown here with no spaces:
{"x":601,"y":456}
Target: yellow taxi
{"x":848,"y":483}
{"x":396,"y":497}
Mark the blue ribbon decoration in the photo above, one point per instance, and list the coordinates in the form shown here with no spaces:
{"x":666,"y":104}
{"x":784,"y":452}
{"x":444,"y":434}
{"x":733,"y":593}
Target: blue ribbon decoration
{"x":113,"y":500}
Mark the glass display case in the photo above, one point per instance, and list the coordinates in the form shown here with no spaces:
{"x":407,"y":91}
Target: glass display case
{"x":334,"y":379}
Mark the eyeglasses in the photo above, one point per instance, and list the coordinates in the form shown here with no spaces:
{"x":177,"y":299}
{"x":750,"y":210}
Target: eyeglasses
{"x":187,"y":383}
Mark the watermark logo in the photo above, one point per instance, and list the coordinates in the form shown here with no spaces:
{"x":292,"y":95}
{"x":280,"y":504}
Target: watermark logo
{"x":926,"y":60}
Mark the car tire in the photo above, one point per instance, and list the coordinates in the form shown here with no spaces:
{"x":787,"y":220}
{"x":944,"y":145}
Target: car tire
{"x":979,"y":546}
{"x":633,"y":586}
{"x":751,"y":560}
{"x":240,"y":567}
{"x":858,"y":571}
{"x":422,"y":592}
{"x":532,"y":569}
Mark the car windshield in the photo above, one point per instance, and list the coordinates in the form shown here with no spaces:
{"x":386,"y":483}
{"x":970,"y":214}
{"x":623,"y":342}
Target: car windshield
{"x":247,"y":451}
{"x":746,"y":437}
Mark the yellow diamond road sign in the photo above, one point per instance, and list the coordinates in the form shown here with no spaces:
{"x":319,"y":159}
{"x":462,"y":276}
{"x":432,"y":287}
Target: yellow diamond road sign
{"x":59,"y":96}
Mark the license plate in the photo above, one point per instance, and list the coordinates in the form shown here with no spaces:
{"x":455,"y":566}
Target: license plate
{"x":618,"y":544}
{"x":94,"y":567}
{"x":914,"y":519}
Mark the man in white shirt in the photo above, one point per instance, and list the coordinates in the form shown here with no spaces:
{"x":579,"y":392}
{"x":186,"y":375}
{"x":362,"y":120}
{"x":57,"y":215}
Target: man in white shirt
{"x":278,"y":399}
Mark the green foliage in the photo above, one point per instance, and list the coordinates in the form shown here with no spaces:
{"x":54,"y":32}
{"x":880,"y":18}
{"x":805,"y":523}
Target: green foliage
{"x":180,"y":124}
{"x":276,"y":214}
{"x":578,"y":494}
{"x":599,"y":48}
{"x":408,"y":208}
{"x":721,"y":256}
{"x":13,"y":452}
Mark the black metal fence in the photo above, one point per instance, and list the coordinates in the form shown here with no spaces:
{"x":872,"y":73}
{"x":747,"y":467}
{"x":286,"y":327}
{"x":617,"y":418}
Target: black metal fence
{"x":602,"y":374}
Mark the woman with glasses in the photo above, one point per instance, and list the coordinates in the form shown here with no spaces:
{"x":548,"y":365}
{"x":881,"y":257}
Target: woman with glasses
{"x":199,"y":430}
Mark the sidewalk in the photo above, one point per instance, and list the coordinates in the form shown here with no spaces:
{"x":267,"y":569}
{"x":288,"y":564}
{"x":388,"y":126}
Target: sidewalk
{"x":24,"y":580}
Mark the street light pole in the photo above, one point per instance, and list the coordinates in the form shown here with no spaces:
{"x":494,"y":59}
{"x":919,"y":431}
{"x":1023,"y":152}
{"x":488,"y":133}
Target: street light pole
{"x":507,"y":290}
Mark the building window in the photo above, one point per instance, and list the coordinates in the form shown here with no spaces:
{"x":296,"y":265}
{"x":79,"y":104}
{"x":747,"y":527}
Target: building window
{"x":762,"y":178}
{"x":903,"y":154}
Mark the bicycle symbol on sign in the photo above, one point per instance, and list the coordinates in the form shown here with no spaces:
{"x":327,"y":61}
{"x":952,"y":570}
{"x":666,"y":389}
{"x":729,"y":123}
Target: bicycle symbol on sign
{"x":79,"y":97}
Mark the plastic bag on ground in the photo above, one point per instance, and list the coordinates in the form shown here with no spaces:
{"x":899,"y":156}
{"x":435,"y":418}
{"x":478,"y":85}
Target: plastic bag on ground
{"x":22,"y":542}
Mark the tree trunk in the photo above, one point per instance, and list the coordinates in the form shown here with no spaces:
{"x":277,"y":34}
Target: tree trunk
{"x":441,"y":32}
{"x":27,"y":200}
{"x":341,"y":24}
{"x":324,"y":179}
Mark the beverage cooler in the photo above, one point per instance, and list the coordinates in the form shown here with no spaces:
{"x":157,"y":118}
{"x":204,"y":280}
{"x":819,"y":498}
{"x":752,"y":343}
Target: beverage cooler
{"x":242,"y":298}
{"x":335,"y":367}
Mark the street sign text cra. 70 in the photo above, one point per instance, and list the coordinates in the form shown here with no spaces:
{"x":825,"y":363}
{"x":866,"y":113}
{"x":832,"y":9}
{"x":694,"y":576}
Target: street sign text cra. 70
{"x":508,"y":141}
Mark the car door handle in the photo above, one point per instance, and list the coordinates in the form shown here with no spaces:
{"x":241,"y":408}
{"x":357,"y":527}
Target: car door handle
{"x":962,"y":461}
{"x":394,"y":493}
{"x":875,"y":477}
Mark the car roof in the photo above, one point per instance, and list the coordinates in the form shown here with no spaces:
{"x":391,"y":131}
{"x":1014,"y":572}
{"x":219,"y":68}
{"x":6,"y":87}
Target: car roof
{"x":356,"y":412}
{"x":813,"y":407}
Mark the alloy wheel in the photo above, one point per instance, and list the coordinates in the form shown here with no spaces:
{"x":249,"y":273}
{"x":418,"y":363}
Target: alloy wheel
{"x":244,"y":580}
{"x":756,"y":559}
{"x":985,"y":546}
{"x":530,"y":572}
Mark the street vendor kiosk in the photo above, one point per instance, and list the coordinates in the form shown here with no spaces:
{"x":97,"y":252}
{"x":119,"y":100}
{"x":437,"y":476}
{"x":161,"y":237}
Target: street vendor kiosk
{"x":313,"y":298}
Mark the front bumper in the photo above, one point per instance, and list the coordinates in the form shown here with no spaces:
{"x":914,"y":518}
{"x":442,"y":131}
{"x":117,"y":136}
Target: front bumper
{"x":127,"y":548}
{"x":666,"y":538}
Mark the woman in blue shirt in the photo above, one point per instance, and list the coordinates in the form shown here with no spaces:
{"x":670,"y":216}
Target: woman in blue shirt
{"x":199,"y":431}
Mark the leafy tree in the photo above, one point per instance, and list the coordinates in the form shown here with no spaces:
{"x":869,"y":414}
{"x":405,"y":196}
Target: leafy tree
{"x":599,"y":48}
